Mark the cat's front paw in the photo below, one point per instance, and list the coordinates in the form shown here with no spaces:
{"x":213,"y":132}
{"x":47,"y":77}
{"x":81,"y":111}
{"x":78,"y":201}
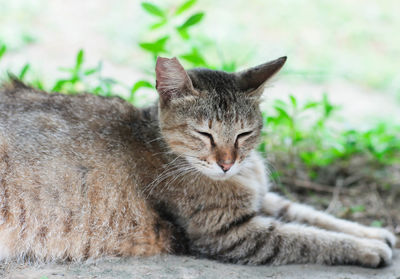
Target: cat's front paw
{"x":380,"y":234}
{"x":373,"y":253}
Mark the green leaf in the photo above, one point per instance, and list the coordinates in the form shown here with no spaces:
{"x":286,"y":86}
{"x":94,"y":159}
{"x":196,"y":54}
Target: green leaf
{"x":153,"y":9}
{"x":158,"y":24}
{"x":307,"y":157}
{"x":293,"y":100}
{"x":3,"y":50}
{"x":328,"y":107}
{"x":194,"y":57}
{"x":139,"y":84}
{"x":283,"y":113}
{"x":183,"y":33}
{"x":155,"y":47}
{"x":79,"y":58}
{"x":24,"y":71}
{"x":185,"y":6}
{"x":377,"y":223}
{"x":269,"y":119}
{"x":194,"y":19}
{"x":91,"y":71}
{"x":59,"y":85}
{"x":229,"y":66}
{"x":38,"y":84}
{"x":357,"y":208}
{"x":310,"y":105}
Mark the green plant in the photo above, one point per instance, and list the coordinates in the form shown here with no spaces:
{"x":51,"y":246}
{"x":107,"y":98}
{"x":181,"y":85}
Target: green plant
{"x":3,"y":50}
{"x":79,"y":79}
{"x":173,"y":26}
{"x":302,"y":130}
{"x":304,"y":134}
{"x":382,"y":142}
{"x":172,"y":35}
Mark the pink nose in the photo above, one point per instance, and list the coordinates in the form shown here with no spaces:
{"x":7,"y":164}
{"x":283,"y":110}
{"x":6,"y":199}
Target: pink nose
{"x":225,"y":167}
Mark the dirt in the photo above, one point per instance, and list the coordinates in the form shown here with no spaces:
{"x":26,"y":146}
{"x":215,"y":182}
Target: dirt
{"x":355,"y":189}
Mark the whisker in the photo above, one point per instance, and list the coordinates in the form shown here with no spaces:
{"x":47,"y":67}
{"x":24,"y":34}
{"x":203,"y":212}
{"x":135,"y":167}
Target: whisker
{"x":155,"y":139}
{"x":174,"y":167}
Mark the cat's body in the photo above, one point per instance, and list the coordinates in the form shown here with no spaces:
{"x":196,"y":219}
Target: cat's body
{"x":70,"y":176}
{"x":85,"y":176}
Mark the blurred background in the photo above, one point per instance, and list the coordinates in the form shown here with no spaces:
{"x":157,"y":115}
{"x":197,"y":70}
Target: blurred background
{"x":332,"y":116}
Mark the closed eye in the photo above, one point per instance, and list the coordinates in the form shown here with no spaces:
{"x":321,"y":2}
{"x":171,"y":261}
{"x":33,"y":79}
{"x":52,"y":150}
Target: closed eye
{"x":208,"y":135}
{"x":243,"y":135}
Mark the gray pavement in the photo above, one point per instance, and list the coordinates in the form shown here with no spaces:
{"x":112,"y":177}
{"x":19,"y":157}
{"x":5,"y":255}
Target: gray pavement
{"x":186,"y":267}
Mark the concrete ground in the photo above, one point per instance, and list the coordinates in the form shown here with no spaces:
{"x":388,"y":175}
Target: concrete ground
{"x":186,"y":267}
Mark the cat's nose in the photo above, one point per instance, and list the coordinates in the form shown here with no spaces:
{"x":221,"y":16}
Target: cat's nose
{"x":225,"y":166}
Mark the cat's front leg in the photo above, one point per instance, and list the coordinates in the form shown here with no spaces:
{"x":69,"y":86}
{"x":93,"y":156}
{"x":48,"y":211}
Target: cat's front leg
{"x":263,"y":240}
{"x":279,"y":207}
{"x":338,"y":248}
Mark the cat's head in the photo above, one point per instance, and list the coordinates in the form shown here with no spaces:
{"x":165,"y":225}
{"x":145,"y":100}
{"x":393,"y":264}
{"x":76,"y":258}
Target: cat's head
{"x":212,"y":118}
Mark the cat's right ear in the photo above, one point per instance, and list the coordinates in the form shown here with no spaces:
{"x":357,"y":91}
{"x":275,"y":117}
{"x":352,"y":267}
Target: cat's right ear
{"x":172,"y":81}
{"x":253,"y":80}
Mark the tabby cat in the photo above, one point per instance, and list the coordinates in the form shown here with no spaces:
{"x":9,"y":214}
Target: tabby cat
{"x":86,"y":176}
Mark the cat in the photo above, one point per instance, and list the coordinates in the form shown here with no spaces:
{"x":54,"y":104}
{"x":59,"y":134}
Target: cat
{"x":85,"y":176}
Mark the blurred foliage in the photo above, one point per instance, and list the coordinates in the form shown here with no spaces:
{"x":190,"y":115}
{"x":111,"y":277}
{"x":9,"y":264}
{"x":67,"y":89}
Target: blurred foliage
{"x":307,"y":133}
{"x":3,"y":49}
{"x":325,"y":40}
{"x":79,"y":79}
{"x":173,"y":27}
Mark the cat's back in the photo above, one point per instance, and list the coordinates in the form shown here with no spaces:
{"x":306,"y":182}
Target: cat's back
{"x":41,"y":120}
{"x":22,"y":104}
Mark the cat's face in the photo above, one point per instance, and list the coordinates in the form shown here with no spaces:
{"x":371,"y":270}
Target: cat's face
{"x":211,"y":118}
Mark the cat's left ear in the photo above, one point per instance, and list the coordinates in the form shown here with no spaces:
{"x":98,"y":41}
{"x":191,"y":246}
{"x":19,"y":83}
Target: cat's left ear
{"x":252,"y":80}
{"x":172,"y":81}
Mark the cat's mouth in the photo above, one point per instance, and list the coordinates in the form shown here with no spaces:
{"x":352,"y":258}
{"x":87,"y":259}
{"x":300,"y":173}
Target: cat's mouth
{"x":213,"y":170}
